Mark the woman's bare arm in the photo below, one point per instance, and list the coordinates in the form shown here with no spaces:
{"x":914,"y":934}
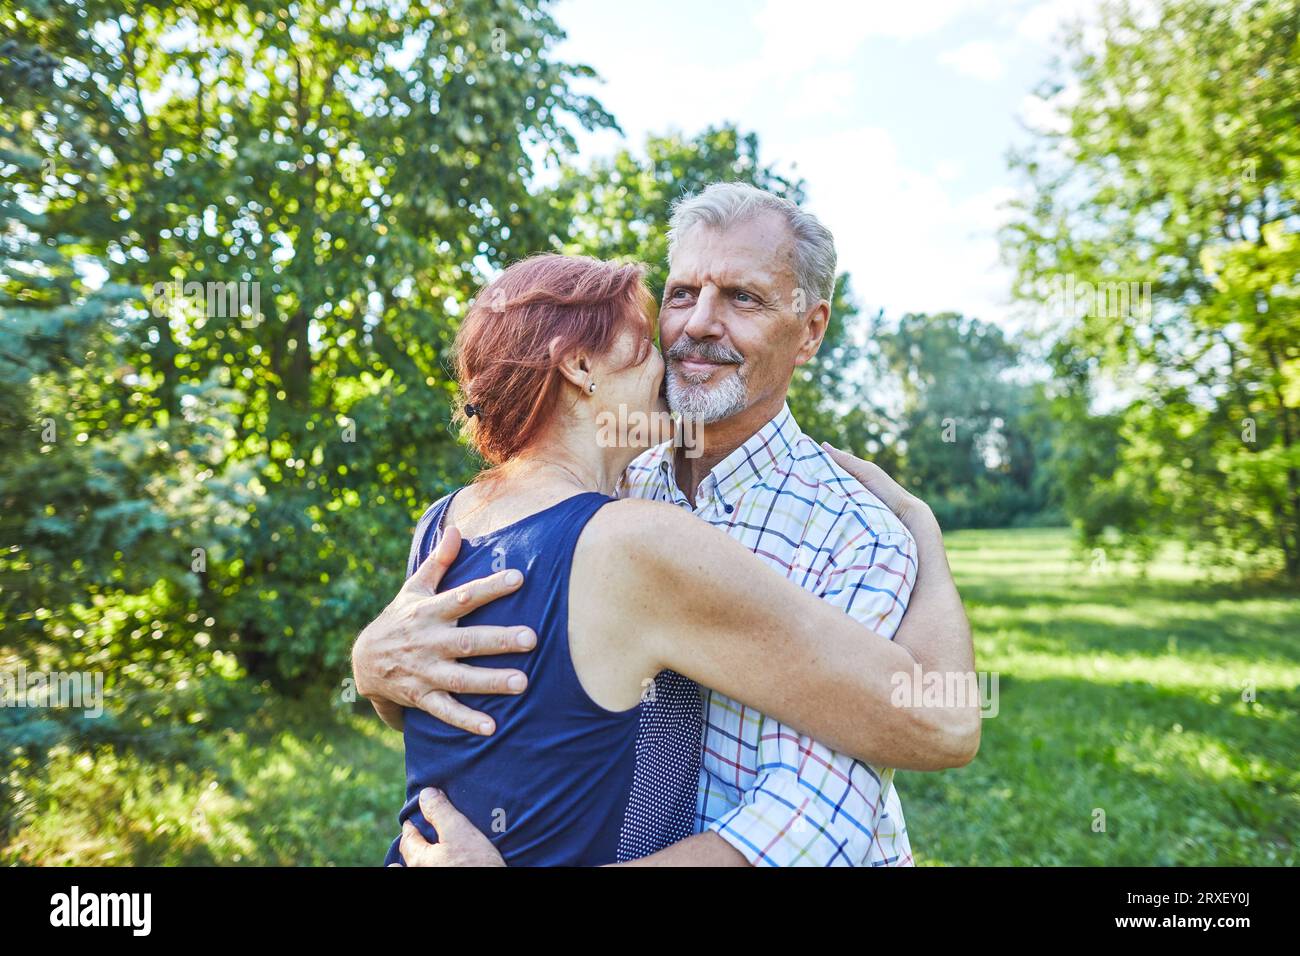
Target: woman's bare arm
{"x":680,"y":594}
{"x":939,"y":650}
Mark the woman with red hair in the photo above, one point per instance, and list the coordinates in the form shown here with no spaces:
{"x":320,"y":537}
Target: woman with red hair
{"x":615,"y":590}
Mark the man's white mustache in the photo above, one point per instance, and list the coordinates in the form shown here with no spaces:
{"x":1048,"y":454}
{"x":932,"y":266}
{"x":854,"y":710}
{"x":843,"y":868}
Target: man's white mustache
{"x":717,"y":356}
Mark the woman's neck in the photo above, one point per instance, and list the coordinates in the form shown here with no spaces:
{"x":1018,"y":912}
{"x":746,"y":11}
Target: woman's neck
{"x":578,"y":461}
{"x":552,"y":470}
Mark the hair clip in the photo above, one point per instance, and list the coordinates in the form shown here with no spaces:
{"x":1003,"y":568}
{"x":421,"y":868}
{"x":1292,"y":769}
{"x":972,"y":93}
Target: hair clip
{"x":471,"y":410}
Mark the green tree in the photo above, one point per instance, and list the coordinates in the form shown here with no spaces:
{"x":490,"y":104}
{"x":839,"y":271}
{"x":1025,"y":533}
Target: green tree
{"x":335,"y":178}
{"x":1177,"y":164}
{"x":969,"y":438}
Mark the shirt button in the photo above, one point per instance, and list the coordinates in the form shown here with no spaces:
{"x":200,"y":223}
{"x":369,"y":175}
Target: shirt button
{"x":730,"y":508}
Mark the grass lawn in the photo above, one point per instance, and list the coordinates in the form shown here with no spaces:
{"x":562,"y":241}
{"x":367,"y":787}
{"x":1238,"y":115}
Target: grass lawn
{"x":299,"y":784}
{"x":1119,"y":695}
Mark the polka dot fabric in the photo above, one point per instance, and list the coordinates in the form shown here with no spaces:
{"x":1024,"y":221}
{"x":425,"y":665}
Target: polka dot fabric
{"x":670,"y":732}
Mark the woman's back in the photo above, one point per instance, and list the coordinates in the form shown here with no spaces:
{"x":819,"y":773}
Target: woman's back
{"x":554,"y":785}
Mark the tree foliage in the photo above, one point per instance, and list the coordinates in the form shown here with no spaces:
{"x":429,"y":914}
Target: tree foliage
{"x":1177,"y":164}
{"x":342,"y":175}
{"x":964,"y":433}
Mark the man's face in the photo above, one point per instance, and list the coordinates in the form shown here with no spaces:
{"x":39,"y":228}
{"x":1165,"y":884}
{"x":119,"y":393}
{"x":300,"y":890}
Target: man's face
{"x":730,"y":333}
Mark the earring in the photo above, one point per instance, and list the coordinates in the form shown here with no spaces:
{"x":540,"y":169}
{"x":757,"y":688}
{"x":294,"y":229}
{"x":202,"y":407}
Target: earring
{"x":591,"y":388}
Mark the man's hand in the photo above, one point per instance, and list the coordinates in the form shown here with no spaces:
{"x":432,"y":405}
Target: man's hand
{"x":460,"y":843}
{"x":407,"y":657}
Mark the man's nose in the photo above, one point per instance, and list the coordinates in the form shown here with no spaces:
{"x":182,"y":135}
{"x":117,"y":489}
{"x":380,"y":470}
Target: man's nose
{"x":705,"y":320}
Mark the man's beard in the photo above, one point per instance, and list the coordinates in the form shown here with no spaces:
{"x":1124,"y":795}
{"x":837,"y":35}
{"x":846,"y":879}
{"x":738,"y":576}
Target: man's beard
{"x":697,"y":399}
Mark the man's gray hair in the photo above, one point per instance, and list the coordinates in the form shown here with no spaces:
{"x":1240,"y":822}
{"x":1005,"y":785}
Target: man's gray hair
{"x":721,"y":205}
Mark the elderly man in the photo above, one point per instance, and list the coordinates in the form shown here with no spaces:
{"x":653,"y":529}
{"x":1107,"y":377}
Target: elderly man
{"x":746,"y":302}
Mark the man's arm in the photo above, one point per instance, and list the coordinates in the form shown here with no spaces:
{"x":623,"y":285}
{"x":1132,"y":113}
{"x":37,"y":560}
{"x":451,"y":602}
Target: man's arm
{"x":809,"y":804}
{"x":460,"y":843}
{"x":703,"y":849}
{"x":409,"y":655}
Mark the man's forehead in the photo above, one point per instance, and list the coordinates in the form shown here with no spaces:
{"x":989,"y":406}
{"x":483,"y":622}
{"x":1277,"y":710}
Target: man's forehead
{"x":757,"y":247}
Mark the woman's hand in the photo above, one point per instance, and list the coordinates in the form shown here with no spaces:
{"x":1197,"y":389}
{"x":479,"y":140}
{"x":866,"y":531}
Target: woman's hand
{"x":906,"y":506}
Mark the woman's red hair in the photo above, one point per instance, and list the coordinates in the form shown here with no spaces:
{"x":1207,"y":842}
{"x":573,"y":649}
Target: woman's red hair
{"x":519,"y":329}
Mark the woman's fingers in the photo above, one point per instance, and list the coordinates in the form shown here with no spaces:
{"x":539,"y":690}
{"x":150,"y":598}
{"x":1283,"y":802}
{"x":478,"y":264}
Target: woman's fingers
{"x":872,"y":476}
{"x":893,"y":495}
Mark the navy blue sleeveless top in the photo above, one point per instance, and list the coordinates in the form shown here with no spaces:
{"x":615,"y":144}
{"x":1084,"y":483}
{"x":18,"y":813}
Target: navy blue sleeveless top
{"x":562,"y":781}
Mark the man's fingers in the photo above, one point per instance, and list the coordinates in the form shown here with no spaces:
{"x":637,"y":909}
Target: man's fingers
{"x":413,"y":846}
{"x":446,"y":819}
{"x":442,"y":706}
{"x":429,"y":574}
{"x":456,"y":678}
{"x":457,"y":603}
{"x":484,"y":640}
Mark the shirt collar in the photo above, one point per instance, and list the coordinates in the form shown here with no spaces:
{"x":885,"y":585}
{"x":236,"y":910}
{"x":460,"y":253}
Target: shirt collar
{"x":745,"y":466}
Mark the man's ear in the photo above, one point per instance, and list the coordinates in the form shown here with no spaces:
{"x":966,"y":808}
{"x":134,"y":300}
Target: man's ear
{"x":814,"y":331}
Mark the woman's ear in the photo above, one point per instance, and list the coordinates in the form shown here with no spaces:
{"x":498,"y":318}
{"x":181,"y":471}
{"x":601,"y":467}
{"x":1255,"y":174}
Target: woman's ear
{"x":576,"y":367}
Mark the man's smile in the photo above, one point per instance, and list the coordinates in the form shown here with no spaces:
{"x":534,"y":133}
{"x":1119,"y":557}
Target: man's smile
{"x":698,"y":366}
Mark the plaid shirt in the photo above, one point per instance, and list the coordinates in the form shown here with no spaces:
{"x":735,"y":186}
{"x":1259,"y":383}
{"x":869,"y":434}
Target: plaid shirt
{"x":776,"y":795}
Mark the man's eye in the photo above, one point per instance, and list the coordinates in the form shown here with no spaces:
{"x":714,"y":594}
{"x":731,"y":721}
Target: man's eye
{"x":745,"y":297}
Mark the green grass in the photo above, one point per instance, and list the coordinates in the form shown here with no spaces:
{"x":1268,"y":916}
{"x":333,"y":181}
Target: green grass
{"x":300,"y":784}
{"x":1121,"y":693}
{"x":1118,"y":692}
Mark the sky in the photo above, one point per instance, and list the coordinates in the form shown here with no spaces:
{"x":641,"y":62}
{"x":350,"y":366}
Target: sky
{"x":898,"y":114}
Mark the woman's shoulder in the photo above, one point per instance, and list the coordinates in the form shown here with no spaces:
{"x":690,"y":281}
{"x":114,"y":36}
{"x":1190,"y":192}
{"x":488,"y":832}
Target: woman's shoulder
{"x":640,"y":529}
{"x":636,"y":515}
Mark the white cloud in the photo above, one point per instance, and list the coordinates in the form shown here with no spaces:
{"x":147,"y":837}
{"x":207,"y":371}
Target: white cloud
{"x":834,"y":29}
{"x":1049,"y":115}
{"x":910,"y":241}
{"x":946,"y":170}
{"x":915,"y":223}
{"x":1042,"y":22}
{"x":978,"y":59}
